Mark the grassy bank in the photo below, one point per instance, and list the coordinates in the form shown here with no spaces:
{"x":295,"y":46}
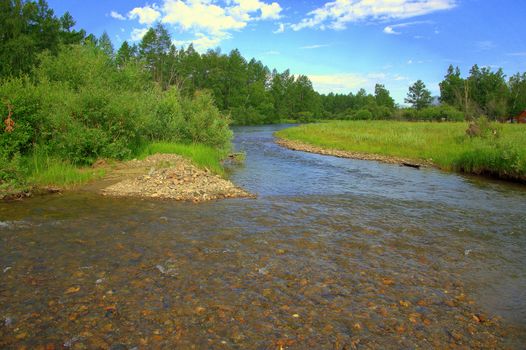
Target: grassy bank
{"x":444,"y":144}
{"x":40,"y":170}
{"x":202,"y":155}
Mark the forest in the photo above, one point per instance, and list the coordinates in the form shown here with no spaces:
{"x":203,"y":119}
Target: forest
{"x":69,"y":95}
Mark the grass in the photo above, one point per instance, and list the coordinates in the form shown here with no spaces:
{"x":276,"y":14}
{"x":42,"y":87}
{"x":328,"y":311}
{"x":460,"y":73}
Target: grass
{"x":203,"y":156}
{"x":43,"y":170}
{"x":444,"y":144}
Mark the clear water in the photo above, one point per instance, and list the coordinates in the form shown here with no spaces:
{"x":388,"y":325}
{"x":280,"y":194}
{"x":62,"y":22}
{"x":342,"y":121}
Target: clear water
{"x":333,"y":253}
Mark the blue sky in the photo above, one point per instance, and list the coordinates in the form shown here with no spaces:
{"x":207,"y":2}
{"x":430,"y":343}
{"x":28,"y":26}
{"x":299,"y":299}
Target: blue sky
{"x":342,"y":45}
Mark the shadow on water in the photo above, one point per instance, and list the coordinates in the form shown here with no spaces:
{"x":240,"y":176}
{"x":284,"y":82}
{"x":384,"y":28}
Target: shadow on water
{"x":333,"y":253}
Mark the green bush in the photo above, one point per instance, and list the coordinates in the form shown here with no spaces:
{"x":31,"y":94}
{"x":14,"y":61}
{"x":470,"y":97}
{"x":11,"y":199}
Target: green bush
{"x":440,"y":113}
{"x":79,"y":106}
{"x":362,"y":114}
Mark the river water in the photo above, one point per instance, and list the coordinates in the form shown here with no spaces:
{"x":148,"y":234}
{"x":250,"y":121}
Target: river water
{"x":332,"y":254}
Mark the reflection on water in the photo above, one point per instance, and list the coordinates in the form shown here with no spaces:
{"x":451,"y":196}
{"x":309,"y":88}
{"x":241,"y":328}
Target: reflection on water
{"x":333,"y":253}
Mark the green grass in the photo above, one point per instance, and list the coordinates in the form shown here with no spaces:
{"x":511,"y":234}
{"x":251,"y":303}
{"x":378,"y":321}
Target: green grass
{"x":203,"y":156}
{"x":444,"y":144}
{"x":43,"y":170}
{"x":40,"y":169}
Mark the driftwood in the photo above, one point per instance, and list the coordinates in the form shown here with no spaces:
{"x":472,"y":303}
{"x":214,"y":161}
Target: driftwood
{"x":411,"y":165}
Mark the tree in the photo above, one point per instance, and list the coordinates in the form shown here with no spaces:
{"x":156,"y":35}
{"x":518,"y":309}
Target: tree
{"x":125,"y":54}
{"x":26,"y":29}
{"x":67,"y":34}
{"x":382,"y":97}
{"x":418,"y":95}
{"x":452,"y":88}
{"x":104,"y":43}
{"x":488,"y":91}
{"x":153,"y":50}
{"x":517,"y":99}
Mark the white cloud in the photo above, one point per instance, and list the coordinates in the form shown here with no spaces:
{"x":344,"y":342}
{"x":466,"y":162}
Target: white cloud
{"x":202,"y":42}
{"x":338,"y":83}
{"x":244,"y":8}
{"x":200,"y":15}
{"x":116,"y":15}
{"x":344,"y":83}
{"x":317,"y":46}
{"x":146,"y":15}
{"x":281,"y":29}
{"x":209,"y":21}
{"x":517,"y":54}
{"x":391,"y":29}
{"x":138,"y":33}
{"x":336,"y":14}
{"x":272,"y":53}
{"x":212,"y":23}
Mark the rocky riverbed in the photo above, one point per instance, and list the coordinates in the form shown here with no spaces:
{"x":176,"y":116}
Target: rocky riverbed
{"x":170,"y":176}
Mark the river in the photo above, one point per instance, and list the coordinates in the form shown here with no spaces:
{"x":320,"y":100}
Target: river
{"x":332,"y":254}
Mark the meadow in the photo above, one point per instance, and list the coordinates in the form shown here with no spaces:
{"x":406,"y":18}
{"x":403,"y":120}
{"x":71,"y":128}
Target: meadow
{"x":497,"y":152}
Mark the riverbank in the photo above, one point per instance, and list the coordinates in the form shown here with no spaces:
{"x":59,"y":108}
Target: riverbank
{"x":161,"y":170}
{"x":443,"y":145}
{"x":305,"y":147}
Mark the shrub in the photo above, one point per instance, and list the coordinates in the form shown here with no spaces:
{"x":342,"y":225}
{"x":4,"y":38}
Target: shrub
{"x":79,"y":106}
{"x":362,"y":114}
{"x":440,"y":113}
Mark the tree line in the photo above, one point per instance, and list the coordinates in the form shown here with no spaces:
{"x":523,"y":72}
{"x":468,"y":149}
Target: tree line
{"x":247,"y":90}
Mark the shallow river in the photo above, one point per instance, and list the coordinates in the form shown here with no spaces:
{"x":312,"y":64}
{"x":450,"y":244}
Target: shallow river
{"x":332,"y":254}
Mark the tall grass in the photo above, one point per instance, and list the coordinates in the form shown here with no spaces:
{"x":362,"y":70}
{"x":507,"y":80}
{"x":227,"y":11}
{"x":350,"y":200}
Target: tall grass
{"x":202,"y":155}
{"x":43,"y":170}
{"x":444,"y":144}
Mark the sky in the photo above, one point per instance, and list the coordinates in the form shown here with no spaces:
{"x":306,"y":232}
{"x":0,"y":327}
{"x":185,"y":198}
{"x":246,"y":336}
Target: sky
{"x":341,"y":45}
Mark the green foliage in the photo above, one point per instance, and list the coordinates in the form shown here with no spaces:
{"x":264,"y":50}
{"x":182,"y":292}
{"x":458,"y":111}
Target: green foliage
{"x":517,"y":95}
{"x":28,"y":28}
{"x":418,"y":95}
{"x":382,"y":97}
{"x":484,"y":92}
{"x":78,"y":106}
{"x":362,"y":114}
{"x":440,"y":113}
{"x":43,"y":170}
{"x":204,"y":156}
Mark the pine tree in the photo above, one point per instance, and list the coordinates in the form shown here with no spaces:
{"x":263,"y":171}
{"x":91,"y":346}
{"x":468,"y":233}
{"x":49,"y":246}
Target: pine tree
{"x":418,"y":95}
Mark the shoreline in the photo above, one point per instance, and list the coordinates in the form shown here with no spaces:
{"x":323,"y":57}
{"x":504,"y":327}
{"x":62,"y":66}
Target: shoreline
{"x":171,"y":176}
{"x":159,"y":176}
{"x":305,"y":147}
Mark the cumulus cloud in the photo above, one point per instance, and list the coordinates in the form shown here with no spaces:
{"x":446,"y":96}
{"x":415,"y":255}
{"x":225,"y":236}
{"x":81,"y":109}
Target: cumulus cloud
{"x":209,"y":21}
{"x":200,"y":15}
{"x":145,"y":15}
{"x":336,"y":14}
{"x":116,"y":15}
{"x":244,"y":9}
